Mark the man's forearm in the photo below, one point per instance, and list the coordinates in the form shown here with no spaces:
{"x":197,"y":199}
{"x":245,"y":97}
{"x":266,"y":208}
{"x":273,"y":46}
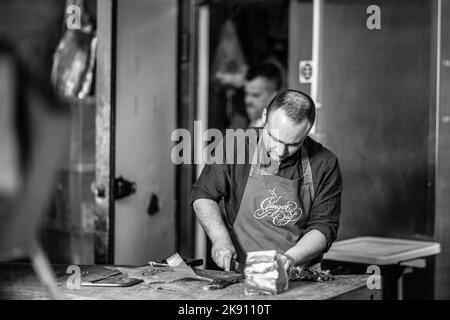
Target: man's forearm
{"x":309,"y":247}
{"x":210,"y":218}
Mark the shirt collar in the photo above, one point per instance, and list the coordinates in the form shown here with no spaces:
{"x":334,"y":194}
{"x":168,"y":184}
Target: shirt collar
{"x":291,"y":160}
{"x":265,"y":160}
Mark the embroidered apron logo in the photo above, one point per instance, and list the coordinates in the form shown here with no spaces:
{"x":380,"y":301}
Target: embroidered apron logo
{"x":282,"y":214}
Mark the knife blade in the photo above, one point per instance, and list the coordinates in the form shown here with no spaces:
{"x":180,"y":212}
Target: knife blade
{"x":237,"y":266}
{"x":219,"y":279}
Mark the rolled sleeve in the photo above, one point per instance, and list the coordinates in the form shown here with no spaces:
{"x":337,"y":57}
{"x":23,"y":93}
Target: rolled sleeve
{"x":212,"y":183}
{"x":326,"y":208}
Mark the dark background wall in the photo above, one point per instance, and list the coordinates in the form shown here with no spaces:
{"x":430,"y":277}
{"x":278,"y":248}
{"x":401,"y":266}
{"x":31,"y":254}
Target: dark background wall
{"x":377,"y":90}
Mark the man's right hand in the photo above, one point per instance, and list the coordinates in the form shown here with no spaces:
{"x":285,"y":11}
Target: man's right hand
{"x":222,"y":252}
{"x":210,"y":218}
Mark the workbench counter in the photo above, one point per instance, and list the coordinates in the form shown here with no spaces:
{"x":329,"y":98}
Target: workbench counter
{"x":18,"y":281}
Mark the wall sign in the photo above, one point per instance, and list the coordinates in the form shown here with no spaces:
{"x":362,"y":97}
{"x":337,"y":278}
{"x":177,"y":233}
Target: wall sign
{"x":305,"y":71}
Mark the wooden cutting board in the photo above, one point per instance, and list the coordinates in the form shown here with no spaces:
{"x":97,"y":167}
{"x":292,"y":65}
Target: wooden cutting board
{"x":220,"y":279}
{"x":219,"y":275}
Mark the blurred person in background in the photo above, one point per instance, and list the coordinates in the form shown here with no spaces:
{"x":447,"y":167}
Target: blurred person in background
{"x":262,"y":82}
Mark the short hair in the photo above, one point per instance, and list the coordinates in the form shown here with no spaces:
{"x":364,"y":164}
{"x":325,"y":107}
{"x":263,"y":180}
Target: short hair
{"x":268,"y":70}
{"x":297,"y":105}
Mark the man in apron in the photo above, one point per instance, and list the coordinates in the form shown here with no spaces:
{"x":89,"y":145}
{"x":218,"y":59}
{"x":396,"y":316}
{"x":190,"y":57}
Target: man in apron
{"x":286,"y":197}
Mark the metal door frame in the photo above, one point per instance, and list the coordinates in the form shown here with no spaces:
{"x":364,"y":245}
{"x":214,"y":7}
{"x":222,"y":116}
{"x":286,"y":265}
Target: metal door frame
{"x":105,"y":131}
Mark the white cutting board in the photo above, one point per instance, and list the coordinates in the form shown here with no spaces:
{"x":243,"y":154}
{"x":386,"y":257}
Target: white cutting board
{"x":380,"y":251}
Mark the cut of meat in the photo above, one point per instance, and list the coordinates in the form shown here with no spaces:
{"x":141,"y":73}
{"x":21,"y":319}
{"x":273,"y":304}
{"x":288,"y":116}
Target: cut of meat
{"x":265,"y":273}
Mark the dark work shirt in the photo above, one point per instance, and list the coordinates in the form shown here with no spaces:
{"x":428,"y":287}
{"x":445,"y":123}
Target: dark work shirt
{"x":228,"y":181}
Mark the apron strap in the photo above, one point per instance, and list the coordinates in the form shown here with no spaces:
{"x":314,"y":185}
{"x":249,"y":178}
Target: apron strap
{"x":307,"y":172}
{"x":257,"y":162}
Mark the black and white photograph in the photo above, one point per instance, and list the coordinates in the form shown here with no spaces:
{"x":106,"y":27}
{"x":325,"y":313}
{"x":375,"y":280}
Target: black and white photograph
{"x":225,"y":156}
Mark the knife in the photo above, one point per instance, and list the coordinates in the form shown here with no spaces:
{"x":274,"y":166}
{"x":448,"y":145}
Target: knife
{"x":237,"y":266}
{"x":225,"y":278}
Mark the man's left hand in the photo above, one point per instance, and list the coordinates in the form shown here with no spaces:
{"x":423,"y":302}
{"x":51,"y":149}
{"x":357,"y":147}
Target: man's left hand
{"x":288,"y":261}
